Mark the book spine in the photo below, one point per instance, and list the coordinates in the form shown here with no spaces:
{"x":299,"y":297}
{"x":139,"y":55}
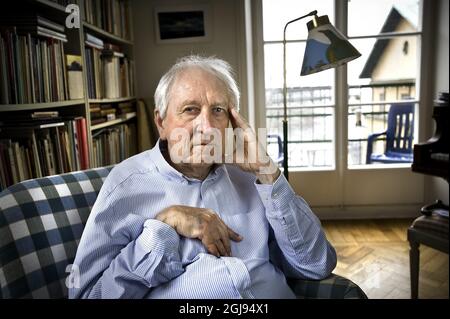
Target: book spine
{"x":76,"y":145}
{"x":36,"y":157}
{"x":12,"y":162}
{"x":84,"y":143}
{"x":32,"y":68}
{"x":3,"y":169}
{"x":19,"y":161}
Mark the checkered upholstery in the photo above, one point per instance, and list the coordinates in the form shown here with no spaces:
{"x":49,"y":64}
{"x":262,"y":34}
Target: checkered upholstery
{"x":41,"y":222}
{"x":332,"y":287}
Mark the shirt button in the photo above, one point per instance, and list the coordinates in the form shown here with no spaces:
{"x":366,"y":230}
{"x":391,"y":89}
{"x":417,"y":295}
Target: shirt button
{"x":275,"y":195}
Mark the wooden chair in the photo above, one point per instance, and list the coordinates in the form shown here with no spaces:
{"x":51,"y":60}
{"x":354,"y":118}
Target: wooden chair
{"x":399,"y":136}
{"x":430,"y":229}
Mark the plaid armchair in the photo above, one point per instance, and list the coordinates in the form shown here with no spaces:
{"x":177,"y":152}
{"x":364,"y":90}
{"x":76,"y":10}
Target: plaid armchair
{"x":41,"y":222}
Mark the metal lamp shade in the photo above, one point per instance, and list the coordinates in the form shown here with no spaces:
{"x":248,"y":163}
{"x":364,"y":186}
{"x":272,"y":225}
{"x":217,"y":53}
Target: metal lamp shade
{"x":326,"y":47}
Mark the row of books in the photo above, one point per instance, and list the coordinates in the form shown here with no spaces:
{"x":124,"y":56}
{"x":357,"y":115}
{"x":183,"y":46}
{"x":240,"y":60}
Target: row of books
{"x":42,"y":147}
{"x":113,"y":145}
{"x":110,"y":73}
{"x":110,"y":15}
{"x":32,"y":60}
{"x":101,"y":113}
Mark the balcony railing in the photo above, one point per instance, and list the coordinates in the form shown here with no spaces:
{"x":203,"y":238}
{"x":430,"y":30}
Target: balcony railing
{"x":311,"y":123}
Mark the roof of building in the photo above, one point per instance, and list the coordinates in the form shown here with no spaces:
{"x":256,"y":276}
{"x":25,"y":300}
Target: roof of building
{"x":394,"y":17}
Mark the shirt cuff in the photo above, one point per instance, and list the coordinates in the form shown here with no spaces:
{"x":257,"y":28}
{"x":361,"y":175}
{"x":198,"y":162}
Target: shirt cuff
{"x":158,"y":236}
{"x":276,"y":197}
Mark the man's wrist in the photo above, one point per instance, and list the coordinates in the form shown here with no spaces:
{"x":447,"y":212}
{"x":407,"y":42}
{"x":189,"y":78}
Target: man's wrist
{"x":166,"y":216}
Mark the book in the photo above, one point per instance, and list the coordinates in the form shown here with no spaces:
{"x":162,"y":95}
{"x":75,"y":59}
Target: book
{"x":75,"y":76}
{"x":94,"y":40}
{"x":30,"y":20}
{"x":108,"y":111}
{"x":50,"y":24}
{"x":128,"y":115}
{"x":98,"y":120}
{"x":41,"y":31}
{"x":44,"y":114}
{"x":84,"y":143}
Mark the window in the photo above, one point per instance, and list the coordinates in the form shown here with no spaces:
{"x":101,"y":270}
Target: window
{"x":385,"y":74}
{"x":405,"y":47}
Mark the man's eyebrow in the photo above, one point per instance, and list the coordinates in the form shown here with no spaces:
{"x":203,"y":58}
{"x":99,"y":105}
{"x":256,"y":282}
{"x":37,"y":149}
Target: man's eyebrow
{"x":220,"y":103}
{"x":196,"y":102}
{"x":190,"y":102}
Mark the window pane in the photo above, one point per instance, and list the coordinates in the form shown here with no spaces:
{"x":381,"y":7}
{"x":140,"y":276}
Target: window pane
{"x":369,"y":17}
{"x":276,"y":13}
{"x":385,"y":76}
{"x":310,"y":107}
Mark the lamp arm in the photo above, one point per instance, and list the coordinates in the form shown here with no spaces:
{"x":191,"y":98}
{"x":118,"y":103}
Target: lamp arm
{"x":285,"y":124}
{"x":312,"y":13}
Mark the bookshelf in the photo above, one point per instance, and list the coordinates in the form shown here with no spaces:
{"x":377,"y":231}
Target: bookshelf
{"x":102,"y":33}
{"x":56,"y":117}
{"x":112,"y":123}
{"x":40,"y":106}
{"x":123,"y":99}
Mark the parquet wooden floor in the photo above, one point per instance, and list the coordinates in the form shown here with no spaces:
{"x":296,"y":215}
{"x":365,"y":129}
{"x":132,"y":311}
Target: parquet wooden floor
{"x":375,"y":255}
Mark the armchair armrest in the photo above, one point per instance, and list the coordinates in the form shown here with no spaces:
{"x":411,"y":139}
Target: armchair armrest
{"x":370,"y":139}
{"x":332,"y":287}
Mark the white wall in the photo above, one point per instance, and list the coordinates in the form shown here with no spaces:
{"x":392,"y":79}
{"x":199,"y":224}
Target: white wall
{"x":153,"y":59}
{"x":437,"y":188}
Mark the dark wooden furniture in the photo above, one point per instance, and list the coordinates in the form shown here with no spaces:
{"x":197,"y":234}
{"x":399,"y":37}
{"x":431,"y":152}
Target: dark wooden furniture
{"x":431,"y":158}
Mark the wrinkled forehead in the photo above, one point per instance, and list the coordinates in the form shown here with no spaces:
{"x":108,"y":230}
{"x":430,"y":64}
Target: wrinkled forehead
{"x":196,"y":78}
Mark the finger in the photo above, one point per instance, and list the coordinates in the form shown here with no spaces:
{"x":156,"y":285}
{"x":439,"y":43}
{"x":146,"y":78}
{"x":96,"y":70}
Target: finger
{"x":212,"y":249}
{"x":221,"y":248}
{"x":225,"y":240}
{"x":240,"y":158}
{"x":233,"y":235}
{"x":237,"y":120}
{"x":221,"y":237}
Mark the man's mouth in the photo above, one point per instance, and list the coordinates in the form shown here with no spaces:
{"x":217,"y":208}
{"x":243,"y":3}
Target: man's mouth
{"x":203,"y":144}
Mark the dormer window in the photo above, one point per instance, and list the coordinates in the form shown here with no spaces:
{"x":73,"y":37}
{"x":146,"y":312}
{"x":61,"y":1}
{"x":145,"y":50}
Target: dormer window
{"x":405,"y":47}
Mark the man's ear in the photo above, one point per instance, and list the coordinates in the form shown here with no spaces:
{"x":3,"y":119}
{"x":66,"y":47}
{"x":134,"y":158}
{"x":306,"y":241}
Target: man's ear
{"x":159,"y":122}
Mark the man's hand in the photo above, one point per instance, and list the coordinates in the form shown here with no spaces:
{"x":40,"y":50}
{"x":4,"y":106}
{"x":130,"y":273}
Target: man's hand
{"x":203,"y":224}
{"x":266,"y":172}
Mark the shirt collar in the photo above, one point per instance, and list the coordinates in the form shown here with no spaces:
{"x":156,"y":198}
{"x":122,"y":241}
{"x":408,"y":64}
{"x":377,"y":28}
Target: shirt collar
{"x":171,"y":173}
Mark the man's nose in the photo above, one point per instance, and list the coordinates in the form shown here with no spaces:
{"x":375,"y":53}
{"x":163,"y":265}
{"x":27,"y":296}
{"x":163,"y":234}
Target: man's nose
{"x":205,"y":122}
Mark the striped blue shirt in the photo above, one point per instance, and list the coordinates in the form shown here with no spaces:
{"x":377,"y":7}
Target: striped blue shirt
{"x":125,"y":253}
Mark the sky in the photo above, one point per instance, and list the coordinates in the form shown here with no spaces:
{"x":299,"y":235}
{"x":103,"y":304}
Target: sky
{"x":366,"y":17}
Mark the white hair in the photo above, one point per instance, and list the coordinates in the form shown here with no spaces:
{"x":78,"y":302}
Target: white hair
{"x":218,"y":67}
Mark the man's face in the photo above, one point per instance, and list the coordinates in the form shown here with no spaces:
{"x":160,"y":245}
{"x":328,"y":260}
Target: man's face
{"x":199,"y":105}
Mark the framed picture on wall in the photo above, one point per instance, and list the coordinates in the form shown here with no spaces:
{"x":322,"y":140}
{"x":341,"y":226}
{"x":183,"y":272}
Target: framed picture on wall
{"x":183,"y":24}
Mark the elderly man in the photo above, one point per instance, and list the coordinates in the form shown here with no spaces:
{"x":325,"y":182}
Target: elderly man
{"x":171,"y":225}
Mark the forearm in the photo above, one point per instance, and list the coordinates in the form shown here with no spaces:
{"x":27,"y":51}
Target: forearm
{"x":146,"y":262}
{"x":297,"y":231}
